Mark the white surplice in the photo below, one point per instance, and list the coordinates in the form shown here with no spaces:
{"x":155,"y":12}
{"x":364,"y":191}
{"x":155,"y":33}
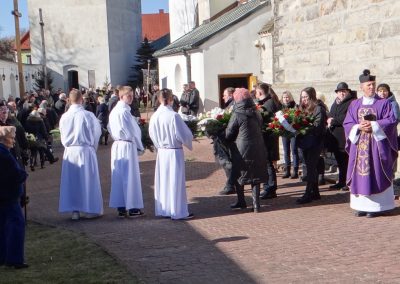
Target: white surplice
{"x":80,"y":188}
{"x":376,"y":202}
{"x":169,"y":132}
{"x":126,"y":188}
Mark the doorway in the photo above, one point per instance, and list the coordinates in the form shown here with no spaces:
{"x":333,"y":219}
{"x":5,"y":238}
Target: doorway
{"x":234,"y":81}
{"x":73,"y":80}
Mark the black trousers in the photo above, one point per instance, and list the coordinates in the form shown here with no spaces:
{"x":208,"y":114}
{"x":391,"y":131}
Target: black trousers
{"x":342,"y":159}
{"x":311,"y":157}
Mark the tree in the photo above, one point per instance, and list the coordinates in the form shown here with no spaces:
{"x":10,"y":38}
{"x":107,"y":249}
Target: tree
{"x":6,"y":48}
{"x":144,"y":53}
{"x":39,"y":81}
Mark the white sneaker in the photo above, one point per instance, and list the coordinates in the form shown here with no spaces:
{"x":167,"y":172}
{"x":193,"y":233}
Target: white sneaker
{"x":75,"y":215}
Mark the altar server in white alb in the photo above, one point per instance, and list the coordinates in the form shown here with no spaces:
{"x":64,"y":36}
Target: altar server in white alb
{"x":80,"y":190}
{"x":126,"y":188}
{"x":169,"y":133}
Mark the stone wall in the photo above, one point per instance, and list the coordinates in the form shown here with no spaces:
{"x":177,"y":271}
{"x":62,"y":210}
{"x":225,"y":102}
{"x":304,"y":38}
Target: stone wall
{"x":323,"y":42}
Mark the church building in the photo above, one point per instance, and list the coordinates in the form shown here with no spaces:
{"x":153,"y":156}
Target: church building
{"x":88,"y":43}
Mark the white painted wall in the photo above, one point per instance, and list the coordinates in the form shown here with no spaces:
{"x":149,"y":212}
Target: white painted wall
{"x":100,"y":35}
{"x":10,"y":86}
{"x":182,"y":17}
{"x":125,"y":36}
{"x":229,"y":52}
{"x":167,"y":69}
{"x":233,"y":52}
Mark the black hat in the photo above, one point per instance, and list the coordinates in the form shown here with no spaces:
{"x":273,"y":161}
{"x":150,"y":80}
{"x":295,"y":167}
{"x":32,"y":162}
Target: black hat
{"x":342,"y":86}
{"x":366,"y":76}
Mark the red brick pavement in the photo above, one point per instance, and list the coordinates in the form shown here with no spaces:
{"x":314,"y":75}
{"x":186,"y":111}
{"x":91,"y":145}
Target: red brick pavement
{"x":285,"y":243}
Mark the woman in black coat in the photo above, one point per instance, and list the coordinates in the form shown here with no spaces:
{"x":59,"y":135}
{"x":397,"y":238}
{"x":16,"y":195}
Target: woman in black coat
{"x":336,"y":138}
{"x":312,"y":142}
{"x":269,"y":101}
{"x":102,"y":115}
{"x":249,"y":155}
{"x":12,"y":224}
{"x":35,"y":125}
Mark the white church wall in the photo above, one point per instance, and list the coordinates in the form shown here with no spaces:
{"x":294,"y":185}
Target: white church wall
{"x":183,"y":17}
{"x":167,"y":68}
{"x":233,"y":52}
{"x":76,"y":34}
{"x":10,"y":86}
{"x":125,"y":36}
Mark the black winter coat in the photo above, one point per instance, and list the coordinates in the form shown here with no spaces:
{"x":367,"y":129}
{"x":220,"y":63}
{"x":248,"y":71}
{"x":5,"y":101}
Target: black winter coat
{"x":336,"y":139}
{"x":316,"y":135}
{"x":12,"y":176}
{"x":271,"y":141}
{"x":249,"y":155}
{"x":102,"y":114}
{"x":36,"y":126}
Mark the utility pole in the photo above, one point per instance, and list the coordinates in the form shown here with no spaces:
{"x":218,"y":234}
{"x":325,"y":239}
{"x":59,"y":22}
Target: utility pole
{"x":44,"y":67}
{"x":148,"y":89}
{"x":17,"y":15}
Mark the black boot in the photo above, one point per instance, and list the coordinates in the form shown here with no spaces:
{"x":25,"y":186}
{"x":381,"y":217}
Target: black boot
{"x":295,"y":173}
{"x":321,"y":179}
{"x":268,"y":192}
{"x":241,"y":202}
{"x":308,"y":195}
{"x":256,"y":197}
{"x":228,"y":189}
{"x":287,"y":172}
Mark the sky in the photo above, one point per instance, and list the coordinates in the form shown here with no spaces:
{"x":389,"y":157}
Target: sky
{"x":7,"y":20}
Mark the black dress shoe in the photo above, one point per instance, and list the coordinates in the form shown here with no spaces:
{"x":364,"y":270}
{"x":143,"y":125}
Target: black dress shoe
{"x":268,"y":193}
{"x":238,"y":205}
{"x":337,"y":186}
{"x":54,"y":161}
{"x":294,"y":176}
{"x":18,"y":265}
{"x":360,"y":213}
{"x":304,"y":199}
{"x":227,"y":191}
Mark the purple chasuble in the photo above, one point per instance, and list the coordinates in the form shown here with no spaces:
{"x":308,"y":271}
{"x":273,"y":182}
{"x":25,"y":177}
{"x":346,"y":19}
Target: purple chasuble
{"x":371,"y":162}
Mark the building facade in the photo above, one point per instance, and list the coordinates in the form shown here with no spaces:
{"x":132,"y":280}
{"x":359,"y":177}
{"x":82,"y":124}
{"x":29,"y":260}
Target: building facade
{"x":88,"y":43}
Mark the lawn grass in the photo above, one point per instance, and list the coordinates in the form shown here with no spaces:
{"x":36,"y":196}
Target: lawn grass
{"x":60,"y":256}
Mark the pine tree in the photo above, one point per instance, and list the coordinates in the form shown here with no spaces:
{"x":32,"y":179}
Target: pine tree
{"x":144,"y":53}
{"x":39,"y":81}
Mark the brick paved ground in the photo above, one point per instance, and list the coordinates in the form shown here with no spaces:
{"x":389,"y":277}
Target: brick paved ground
{"x":286,"y":243}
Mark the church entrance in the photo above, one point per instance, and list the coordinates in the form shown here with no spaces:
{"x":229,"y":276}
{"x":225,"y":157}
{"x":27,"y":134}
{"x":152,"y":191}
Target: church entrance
{"x":232,"y":80}
{"x":73,"y":80}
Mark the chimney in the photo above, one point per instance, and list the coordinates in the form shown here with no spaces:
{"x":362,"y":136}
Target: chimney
{"x":161,"y":11}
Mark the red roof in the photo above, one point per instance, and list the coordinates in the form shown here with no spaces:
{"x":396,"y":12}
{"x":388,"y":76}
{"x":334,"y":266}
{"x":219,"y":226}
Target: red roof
{"x":25,"y":42}
{"x":155,"y":26}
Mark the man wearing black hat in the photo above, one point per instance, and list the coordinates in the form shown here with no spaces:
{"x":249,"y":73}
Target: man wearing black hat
{"x":371,"y":132}
{"x":336,"y":138}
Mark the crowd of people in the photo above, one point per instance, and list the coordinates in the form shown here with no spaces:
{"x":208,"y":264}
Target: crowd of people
{"x":361,"y":132}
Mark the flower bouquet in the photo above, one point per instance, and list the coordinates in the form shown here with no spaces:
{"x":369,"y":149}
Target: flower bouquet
{"x":290,"y":122}
{"x":146,"y":140}
{"x":214,"y":122}
{"x":191,"y":121}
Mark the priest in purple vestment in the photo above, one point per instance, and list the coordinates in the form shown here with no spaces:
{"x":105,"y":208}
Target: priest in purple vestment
{"x":371,"y":142}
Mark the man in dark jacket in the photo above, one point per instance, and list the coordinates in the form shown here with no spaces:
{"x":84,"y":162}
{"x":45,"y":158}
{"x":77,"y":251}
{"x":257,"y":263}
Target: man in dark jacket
{"x":190,"y":100}
{"x":336,"y":136}
{"x":229,"y":187}
{"x":12,"y":224}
